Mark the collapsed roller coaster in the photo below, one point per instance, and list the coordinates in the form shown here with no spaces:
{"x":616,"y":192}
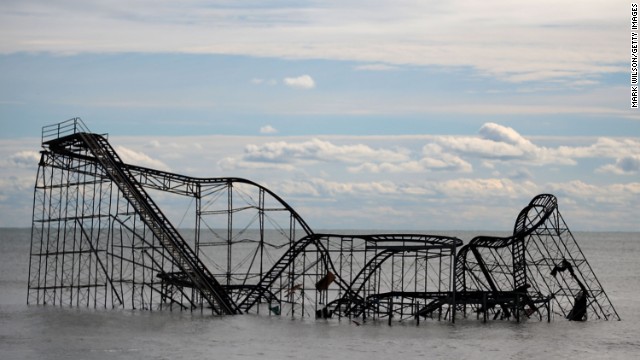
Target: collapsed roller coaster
{"x":99,"y":239}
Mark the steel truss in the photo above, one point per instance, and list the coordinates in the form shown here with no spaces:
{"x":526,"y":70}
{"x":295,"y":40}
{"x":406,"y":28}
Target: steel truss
{"x":99,"y":239}
{"x":538,"y":272}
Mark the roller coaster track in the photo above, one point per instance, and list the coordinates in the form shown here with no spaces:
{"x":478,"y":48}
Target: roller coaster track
{"x":352,"y":303}
{"x":530,"y":218}
{"x":187,"y":185}
{"x":182,"y":184}
{"x":184,"y":257}
{"x":540,"y":244}
{"x":535,"y":214}
{"x":488,"y":271}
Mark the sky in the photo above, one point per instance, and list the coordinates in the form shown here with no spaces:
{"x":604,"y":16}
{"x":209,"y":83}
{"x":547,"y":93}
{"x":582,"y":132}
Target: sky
{"x":397,"y":115}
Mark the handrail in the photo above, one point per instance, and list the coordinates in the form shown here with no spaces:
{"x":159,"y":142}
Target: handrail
{"x":64,"y":128}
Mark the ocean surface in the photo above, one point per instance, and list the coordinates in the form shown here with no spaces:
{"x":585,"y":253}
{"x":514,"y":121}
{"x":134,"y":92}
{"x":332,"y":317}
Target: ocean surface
{"x":52,"y":332}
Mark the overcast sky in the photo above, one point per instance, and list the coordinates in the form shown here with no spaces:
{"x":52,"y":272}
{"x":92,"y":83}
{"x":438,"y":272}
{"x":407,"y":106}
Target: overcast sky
{"x":414,"y":115}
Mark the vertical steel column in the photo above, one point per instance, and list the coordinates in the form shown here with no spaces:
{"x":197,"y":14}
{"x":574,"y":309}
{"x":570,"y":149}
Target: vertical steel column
{"x":198,"y":210}
{"x":452,"y":280}
{"x":34,"y":226}
{"x":47,"y":250}
{"x":261,"y":221}
{"x":229,"y":229}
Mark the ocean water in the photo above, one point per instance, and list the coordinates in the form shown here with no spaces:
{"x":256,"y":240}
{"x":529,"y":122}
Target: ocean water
{"x":52,"y":332}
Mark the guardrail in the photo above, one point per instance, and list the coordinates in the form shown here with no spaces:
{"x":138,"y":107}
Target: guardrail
{"x":67,"y":127}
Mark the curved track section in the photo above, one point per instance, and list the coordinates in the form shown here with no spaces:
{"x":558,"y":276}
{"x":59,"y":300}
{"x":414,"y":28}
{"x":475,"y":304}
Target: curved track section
{"x":504,"y":255}
{"x":525,"y":272}
{"x":410,"y":250}
{"x":535,"y":214}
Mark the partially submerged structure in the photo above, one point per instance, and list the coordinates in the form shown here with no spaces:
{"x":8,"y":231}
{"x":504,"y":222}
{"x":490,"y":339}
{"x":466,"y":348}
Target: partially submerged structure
{"x":99,"y":239}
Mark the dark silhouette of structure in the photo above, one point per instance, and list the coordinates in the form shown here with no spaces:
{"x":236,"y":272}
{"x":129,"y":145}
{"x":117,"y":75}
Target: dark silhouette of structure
{"x":99,"y":239}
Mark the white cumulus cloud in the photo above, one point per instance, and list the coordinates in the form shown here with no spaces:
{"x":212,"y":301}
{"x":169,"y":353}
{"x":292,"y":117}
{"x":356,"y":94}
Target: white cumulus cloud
{"x":134,"y":157}
{"x":498,"y":142}
{"x":268,"y":129}
{"x":300,"y":82}
{"x":433,"y":159}
{"x":319,"y":150}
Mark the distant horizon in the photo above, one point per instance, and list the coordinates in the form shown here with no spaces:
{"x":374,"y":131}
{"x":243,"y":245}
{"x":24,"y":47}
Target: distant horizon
{"x":400,"y":231}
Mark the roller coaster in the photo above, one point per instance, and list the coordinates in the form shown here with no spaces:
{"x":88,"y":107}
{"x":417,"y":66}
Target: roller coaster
{"x":100,"y":240}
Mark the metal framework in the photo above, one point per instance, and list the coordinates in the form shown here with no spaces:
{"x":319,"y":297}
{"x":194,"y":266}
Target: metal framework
{"x":99,"y":239}
{"x":539,"y":271}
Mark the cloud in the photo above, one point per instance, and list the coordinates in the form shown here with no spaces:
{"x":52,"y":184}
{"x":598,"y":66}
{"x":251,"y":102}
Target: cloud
{"x":435,"y":180}
{"x":528,"y":42}
{"x":363,"y":157}
{"x":501,"y":143}
{"x":464,"y":202}
{"x":139,"y":158}
{"x":294,"y":188}
{"x":17,"y":185}
{"x":351,"y":188}
{"x":289,"y":156}
{"x":521,"y":175}
{"x":498,"y":142}
{"x":25,"y":159}
{"x":376,"y":67}
{"x":483,"y":188}
{"x":234,"y":163}
{"x":317,"y":150}
{"x":268,"y":129}
{"x":612,"y":193}
{"x":626,"y":165}
{"x":319,"y":187}
{"x":498,"y":148}
{"x":433,"y":159}
{"x":603,"y":147}
{"x":629,"y":164}
{"x":462,"y":188}
{"x":301,"y":82}
{"x":499,"y":133}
